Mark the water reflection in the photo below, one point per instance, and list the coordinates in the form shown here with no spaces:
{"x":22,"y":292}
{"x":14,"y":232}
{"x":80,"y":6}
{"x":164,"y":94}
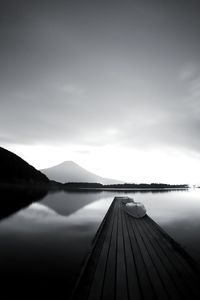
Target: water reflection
{"x":65,"y":203}
{"x":44,"y":244}
{"x":13,"y":200}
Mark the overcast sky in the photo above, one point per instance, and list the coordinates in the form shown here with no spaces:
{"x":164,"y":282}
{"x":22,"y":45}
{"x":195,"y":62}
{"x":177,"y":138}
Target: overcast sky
{"x":113,"y":85}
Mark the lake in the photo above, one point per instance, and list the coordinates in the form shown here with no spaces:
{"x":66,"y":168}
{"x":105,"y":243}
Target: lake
{"x":43,"y":244}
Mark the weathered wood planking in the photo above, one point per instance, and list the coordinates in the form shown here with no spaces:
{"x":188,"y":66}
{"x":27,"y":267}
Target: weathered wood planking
{"x":135,"y":259}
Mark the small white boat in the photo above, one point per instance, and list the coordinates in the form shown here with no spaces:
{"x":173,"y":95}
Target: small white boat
{"x":135,"y":209}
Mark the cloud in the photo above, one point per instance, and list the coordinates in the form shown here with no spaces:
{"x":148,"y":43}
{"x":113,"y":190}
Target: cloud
{"x":91,"y":74}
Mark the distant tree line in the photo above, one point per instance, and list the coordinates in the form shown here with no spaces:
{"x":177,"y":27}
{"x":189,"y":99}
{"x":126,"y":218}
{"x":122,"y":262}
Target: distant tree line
{"x":146,"y":185}
{"x":88,"y":185}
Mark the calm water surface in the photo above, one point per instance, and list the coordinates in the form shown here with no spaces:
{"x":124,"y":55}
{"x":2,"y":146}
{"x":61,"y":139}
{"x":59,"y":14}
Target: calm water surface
{"x":44,"y":244}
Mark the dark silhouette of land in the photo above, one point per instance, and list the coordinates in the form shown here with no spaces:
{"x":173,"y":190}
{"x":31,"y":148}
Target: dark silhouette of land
{"x":15,"y":170}
{"x":20,"y":183}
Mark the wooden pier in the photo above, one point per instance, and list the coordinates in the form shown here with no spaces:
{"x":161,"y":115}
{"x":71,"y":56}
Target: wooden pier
{"x":135,"y":259}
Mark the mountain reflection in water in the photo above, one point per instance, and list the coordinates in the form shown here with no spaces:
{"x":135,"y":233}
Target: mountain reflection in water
{"x":43,"y":245}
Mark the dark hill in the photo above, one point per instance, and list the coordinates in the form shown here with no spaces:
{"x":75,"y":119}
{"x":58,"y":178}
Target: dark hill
{"x":15,"y":170}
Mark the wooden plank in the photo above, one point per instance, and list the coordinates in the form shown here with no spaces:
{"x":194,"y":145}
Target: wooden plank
{"x":121,"y":273}
{"x":109,"y":289}
{"x":134,"y":289}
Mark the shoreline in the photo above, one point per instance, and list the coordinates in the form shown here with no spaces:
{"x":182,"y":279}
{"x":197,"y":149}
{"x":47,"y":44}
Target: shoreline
{"x":125,"y":189}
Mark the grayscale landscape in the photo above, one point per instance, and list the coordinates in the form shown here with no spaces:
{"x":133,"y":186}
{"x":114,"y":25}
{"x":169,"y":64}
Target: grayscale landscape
{"x":99,"y":149}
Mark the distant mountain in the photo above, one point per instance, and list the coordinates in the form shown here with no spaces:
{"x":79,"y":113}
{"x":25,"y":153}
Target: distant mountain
{"x":15,"y":170}
{"x":69,"y":171}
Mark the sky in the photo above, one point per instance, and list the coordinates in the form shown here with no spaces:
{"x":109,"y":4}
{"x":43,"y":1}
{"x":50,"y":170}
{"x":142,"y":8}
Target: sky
{"x":112,"y":85}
